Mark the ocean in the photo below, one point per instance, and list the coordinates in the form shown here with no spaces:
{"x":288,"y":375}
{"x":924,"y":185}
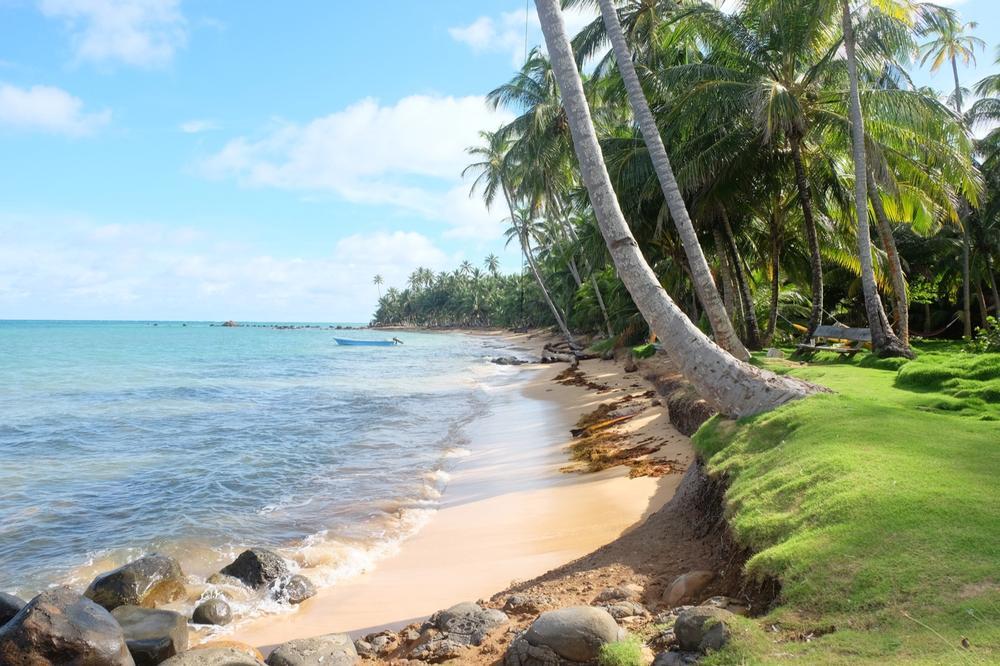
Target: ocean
{"x":123,"y":438}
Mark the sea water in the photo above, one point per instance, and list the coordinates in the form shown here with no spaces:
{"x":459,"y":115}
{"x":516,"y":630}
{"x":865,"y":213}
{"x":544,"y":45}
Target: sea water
{"x":124,"y":438}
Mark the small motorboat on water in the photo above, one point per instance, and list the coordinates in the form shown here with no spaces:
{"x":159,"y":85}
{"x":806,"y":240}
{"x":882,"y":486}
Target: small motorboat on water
{"x":349,"y":342}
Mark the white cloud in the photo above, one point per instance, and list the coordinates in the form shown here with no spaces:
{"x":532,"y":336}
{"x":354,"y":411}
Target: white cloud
{"x":144,"y":33}
{"x":505,"y":33}
{"x":197,"y":126}
{"x":408,"y":155}
{"x":78,"y":268}
{"x":47,"y":109}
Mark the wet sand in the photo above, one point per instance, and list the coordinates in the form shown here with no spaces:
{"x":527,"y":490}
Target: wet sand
{"x":509,"y":512}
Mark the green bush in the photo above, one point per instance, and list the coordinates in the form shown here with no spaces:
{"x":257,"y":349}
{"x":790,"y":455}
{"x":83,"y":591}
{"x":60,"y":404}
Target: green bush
{"x":627,"y":652}
{"x":643,"y":351}
{"x":987,"y":339}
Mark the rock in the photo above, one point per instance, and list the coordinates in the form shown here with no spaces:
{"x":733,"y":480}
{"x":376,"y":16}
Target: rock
{"x":508,"y":360}
{"x":410,"y":634}
{"x":364,"y":648}
{"x":631,"y":366}
{"x":524,"y":604}
{"x":734,"y":606}
{"x":775,"y":353}
{"x":257,"y":567}
{"x":522,"y":653}
{"x":147,"y":581}
{"x":230,"y":324}
{"x":576,"y":633}
{"x":152,"y":636}
{"x":628,"y":592}
{"x":9,"y":607}
{"x":296,"y":589}
{"x":623,"y":609}
{"x":382,"y":643}
{"x":702,"y":628}
{"x":61,"y":627}
{"x":468,"y":623}
{"x":225,"y":656}
{"x":212,"y":611}
{"x":248,"y":650}
{"x":687,"y":586}
{"x":328,"y":650}
{"x":676,"y":659}
{"x":438,"y":650}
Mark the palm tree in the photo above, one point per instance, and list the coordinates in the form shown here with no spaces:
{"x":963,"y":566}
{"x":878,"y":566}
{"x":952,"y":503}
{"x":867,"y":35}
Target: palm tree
{"x":378,"y":281}
{"x":492,"y":264}
{"x":704,"y":284}
{"x":493,"y":177}
{"x":734,"y":387}
{"x":952,"y":42}
{"x":884,"y":340}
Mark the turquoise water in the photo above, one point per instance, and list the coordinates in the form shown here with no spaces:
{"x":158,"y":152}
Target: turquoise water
{"x":118,"y":438}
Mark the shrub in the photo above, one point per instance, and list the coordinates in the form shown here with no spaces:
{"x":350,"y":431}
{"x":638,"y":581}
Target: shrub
{"x":626,"y":652}
{"x":987,"y":339}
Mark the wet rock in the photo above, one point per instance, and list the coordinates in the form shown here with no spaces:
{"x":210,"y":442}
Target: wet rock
{"x":328,"y":650}
{"x":147,"y":581}
{"x":621,"y":593}
{"x":702,"y":628}
{"x":257,"y":567}
{"x":248,"y":650}
{"x":623,"y":609}
{"x":576,"y":633}
{"x":226,"y":656}
{"x":61,"y":627}
{"x":687,"y":587}
{"x":295,"y":589}
{"x":212,"y":611}
{"x":152,"y":636}
{"x":9,"y":607}
{"x":468,"y":623}
{"x":508,"y":360}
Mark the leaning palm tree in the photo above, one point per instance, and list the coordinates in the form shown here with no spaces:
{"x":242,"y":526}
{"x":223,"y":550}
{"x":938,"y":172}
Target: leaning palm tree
{"x":734,"y":387}
{"x":378,"y":281}
{"x":494,"y":177}
{"x":704,"y":284}
{"x":951,"y":43}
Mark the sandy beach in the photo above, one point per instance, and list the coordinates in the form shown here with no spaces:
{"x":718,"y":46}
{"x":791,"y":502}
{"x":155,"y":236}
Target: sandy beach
{"x":512,"y":509}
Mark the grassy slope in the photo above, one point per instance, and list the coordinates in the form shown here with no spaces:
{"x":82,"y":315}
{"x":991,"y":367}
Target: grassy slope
{"x":877,"y":506}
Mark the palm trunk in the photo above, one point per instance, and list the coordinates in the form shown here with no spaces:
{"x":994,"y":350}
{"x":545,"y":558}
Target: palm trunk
{"x":734,"y":387}
{"x":966,"y":291}
{"x":746,"y":297}
{"x":704,"y":285}
{"x":725,"y":274}
{"x":984,"y":313}
{"x":884,"y":341}
{"x":568,"y":228}
{"x":772,"y":318}
{"x":526,"y":251}
{"x":993,"y":283}
{"x":895,"y":266}
{"x":812,"y":236}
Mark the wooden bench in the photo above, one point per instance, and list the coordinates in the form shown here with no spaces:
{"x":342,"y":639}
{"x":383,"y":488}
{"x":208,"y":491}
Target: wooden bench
{"x":823,"y":338}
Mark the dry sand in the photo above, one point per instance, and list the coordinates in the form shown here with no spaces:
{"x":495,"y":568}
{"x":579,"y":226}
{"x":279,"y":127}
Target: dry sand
{"x":510,"y":511}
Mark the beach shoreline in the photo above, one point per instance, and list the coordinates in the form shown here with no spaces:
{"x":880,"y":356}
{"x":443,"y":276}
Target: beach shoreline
{"x":511,"y":511}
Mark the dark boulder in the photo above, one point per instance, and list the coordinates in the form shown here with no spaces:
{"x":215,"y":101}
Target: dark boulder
{"x":212,"y":611}
{"x":296,"y":589}
{"x":9,"y":607}
{"x":329,"y":650}
{"x":60,"y":627}
{"x":152,"y":636}
{"x":257,"y":567}
{"x":147,"y":581}
{"x":703,"y":628}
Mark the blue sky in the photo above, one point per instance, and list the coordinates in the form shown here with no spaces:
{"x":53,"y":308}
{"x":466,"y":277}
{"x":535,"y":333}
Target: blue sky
{"x":171,"y":159}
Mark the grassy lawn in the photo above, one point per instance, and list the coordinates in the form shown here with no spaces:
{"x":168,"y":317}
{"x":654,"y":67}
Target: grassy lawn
{"x":877,"y":506}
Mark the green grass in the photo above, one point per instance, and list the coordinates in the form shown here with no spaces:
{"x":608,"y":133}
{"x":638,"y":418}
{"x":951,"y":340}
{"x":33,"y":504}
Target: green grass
{"x":627,"y":652}
{"x":877,"y":506}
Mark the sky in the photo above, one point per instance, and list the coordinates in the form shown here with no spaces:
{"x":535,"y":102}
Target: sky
{"x":213,"y":160}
